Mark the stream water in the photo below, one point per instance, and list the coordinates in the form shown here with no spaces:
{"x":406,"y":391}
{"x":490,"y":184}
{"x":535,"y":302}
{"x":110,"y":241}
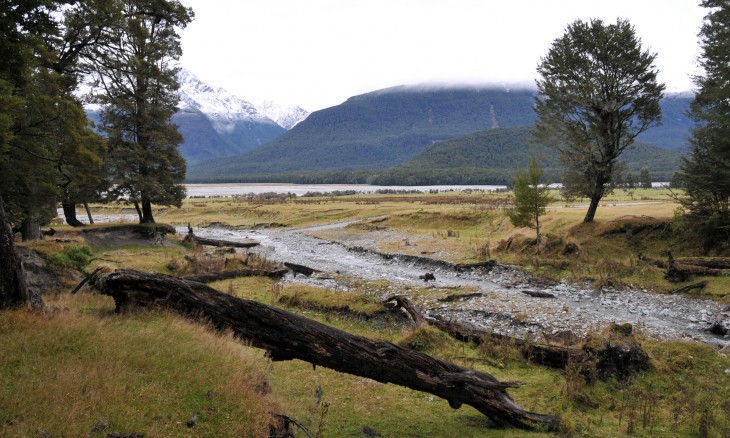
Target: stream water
{"x":502,"y":307}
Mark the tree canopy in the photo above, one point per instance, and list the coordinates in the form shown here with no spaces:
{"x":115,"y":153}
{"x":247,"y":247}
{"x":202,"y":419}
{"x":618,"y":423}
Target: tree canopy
{"x":598,"y":91}
{"x":705,"y":172}
{"x":134,"y":70}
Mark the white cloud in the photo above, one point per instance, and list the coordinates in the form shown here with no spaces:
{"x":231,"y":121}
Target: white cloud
{"x":317,"y":53}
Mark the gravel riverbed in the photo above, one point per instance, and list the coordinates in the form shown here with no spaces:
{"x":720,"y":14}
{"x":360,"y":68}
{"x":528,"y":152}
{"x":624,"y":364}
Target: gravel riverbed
{"x":502,"y":307}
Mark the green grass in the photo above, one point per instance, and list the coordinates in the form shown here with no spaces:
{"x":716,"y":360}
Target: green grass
{"x":81,"y":365}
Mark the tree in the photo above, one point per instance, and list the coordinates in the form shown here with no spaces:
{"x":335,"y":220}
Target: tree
{"x":530,"y":198}
{"x":51,"y":151}
{"x":705,"y":172}
{"x":645,"y":178}
{"x":26,"y":91}
{"x":134,"y":69}
{"x":598,"y":90}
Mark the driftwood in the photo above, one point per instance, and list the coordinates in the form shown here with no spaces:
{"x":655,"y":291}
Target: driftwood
{"x":300,"y":269}
{"x":706,"y":262}
{"x":460,"y":297}
{"x":655,"y":262}
{"x":225,"y":275}
{"x":463,"y":267}
{"x":287,"y":336}
{"x":191,"y":237}
{"x":680,"y":270}
{"x":219,"y":243}
{"x":689,"y":287}
{"x":401,"y":302}
{"x":537,"y":294}
{"x":611,"y":361}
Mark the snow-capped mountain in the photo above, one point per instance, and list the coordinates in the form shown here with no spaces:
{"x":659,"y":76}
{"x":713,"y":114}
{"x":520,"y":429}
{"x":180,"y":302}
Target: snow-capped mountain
{"x":216,"y":123}
{"x":220,"y":105}
{"x":285,"y":116}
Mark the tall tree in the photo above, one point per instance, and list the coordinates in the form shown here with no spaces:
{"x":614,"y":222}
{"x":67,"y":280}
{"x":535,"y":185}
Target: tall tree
{"x":135,"y":69}
{"x":531,"y":198}
{"x":27,"y":92}
{"x":705,"y":172}
{"x":598,"y":90}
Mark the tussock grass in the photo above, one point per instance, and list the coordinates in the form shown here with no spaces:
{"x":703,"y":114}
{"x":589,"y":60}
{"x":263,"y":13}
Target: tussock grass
{"x":81,"y":365}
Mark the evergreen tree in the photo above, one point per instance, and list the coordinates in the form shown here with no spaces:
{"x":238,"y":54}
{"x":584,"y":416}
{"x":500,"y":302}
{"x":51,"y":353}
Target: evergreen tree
{"x":705,"y":172}
{"x":598,"y":90}
{"x":134,"y":68}
{"x":645,"y":178}
{"x":530,"y":198}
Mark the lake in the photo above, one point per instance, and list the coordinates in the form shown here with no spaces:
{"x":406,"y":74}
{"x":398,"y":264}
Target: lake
{"x":221,"y":190}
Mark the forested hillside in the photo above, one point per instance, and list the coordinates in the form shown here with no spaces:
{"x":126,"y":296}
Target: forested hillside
{"x":491,"y":157}
{"x":387,"y":128}
{"x":379,"y":129}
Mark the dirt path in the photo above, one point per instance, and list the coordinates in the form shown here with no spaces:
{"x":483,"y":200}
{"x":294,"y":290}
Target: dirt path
{"x":503,"y":307}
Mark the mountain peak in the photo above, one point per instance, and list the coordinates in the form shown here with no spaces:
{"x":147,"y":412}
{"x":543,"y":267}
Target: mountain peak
{"x":224,"y":107}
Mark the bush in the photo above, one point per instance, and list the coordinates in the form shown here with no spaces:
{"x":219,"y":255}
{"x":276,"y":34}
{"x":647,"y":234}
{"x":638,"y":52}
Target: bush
{"x":72,"y":256}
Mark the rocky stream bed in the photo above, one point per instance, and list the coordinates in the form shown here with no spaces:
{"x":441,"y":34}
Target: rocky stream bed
{"x":500,"y":303}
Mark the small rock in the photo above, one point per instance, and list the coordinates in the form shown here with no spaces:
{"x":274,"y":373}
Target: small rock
{"x":369,"y":431}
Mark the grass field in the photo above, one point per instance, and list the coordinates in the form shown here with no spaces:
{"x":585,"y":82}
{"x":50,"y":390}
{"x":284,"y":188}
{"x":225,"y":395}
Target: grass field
{"x":82,"y":370}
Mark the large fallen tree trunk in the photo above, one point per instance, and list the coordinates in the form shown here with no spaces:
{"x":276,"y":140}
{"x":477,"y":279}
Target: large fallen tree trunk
{"x":226,"y":275}
{"x":288,"y":336}
{"x":191,"y":237}
{"x":222,"y":243}
{"x":613,"y":360}
{"x":706,"y":262}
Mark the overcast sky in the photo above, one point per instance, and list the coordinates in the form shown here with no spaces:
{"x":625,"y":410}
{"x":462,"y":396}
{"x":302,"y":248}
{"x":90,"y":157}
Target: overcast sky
{"x":317,"y":53}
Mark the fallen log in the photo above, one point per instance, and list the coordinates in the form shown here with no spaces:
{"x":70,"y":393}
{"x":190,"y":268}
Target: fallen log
{"x":287,"y":336}
{"x":465,"y":266}
{"x":689,"y":287}
{"x":537,"y":294}
{"x":401,"y":302}
{"x":619,"y":360}
{"x":300,"y":269}
{"x":706,"y":262}
{"x":460,"y":297}
{"x":226,"y":275}
{"x":220,"y":243}
{"x":191,"y":237}
{"x":679,"y":272}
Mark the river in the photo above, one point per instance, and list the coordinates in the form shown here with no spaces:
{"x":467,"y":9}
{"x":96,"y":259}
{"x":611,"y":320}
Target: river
{"x":503,"y":307}
{"x":219,"y":190}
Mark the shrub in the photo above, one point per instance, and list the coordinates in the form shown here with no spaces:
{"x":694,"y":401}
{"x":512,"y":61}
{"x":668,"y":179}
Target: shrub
{"x":72,"y":256}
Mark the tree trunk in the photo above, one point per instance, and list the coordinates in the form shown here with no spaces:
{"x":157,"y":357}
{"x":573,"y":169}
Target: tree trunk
{"x":139,"y":211}
{"x":30,"y":228}
{"x":13,"y":290}
{"x":288,"y":336}
{"x":88,"y":213}
{"x":591,"y":213}
{"x":69,"y":212}
{"x":146,"y":213}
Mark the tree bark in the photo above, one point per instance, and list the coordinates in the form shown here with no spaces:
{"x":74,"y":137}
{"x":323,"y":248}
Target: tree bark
{"x":147,"y":213}
{"x":88,"y":213}
{"x":288,"y":336}
{"x":30,"y":228}
{"x":14,"y":291}
{"x":139,"y":211}
{"x":69,"y":213}
{"x":592,"y":207}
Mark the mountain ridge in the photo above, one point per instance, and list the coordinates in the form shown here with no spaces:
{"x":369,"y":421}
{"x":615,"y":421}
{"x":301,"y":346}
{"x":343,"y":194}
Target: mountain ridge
{"x":388,"y":127}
